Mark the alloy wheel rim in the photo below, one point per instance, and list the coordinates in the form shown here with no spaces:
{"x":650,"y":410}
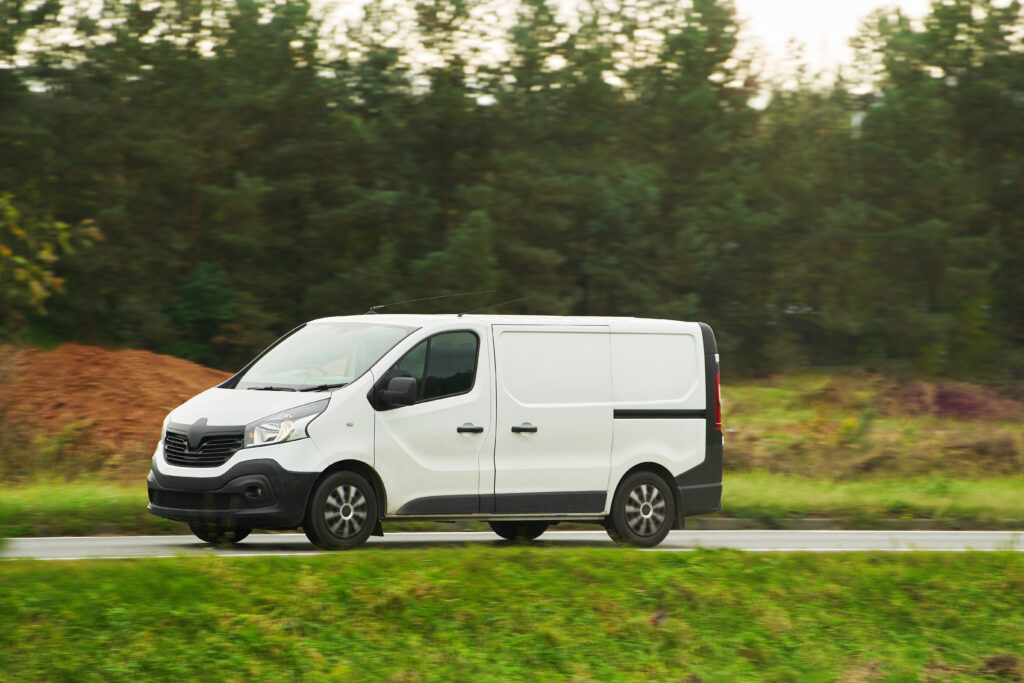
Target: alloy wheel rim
{"x":645,"y":510}
{"x":346,"y":511}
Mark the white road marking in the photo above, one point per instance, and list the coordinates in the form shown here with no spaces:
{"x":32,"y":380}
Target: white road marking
{"x":284,"y":545}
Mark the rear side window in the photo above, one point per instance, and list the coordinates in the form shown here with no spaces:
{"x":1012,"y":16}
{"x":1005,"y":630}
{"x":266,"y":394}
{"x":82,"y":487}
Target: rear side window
{"x":443,"y":365}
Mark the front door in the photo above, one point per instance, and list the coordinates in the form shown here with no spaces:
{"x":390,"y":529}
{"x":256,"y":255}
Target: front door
{"x":428,"y":453}
{"x":554,"y":418}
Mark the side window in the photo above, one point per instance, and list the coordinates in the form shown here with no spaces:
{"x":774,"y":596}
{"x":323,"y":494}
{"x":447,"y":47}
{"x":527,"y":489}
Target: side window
{"x":411,"y":364}
{"x":451,"y":365}
{"x":443,"y":365}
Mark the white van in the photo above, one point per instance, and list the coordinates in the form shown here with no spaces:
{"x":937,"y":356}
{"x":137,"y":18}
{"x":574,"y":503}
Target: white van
{"x":521,"y":421}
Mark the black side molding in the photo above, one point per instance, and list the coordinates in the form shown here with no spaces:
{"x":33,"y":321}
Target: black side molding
{"x":654,"y":414}
{"x":536,"y":503}
{"x":442,"y":505}
{"x":508,"y":503}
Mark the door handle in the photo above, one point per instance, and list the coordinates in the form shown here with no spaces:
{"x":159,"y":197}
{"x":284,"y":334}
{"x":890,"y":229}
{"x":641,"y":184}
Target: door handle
{"x":530,"y":429}
{"x":469,"y":429}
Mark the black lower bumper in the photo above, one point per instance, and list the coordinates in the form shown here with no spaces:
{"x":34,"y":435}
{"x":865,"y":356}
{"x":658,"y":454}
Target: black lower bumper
{"x":701,"y":499}
{"x":256,"y":494}
{"x":700,"y":489}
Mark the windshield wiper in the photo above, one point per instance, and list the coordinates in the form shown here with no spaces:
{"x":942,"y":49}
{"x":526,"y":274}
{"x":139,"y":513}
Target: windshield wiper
{"x":271,"y":389}
{"x":325,"y":387}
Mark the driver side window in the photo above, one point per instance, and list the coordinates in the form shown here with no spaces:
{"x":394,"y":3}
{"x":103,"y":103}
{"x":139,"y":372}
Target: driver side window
{"x":411,"y":364}
{"x":443,"y":365}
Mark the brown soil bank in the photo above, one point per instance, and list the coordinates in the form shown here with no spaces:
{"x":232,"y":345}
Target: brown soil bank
{"x":119,"y":397}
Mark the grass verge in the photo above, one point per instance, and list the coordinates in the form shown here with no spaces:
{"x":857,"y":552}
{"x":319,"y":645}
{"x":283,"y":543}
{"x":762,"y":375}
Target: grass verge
{"x":78,"y":508}
{"x":517,"y":613}
{"x":85,"y":508}
{"x":873,"y":503}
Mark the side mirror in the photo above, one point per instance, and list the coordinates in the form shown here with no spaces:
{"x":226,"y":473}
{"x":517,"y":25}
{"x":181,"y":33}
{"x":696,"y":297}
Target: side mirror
{"x":401,"y":391}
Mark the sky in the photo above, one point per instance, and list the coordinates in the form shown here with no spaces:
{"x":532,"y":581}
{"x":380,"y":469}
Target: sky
{"x":824,"y":27}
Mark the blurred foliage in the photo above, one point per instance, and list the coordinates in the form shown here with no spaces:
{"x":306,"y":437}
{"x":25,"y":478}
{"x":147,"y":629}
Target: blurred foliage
{"x":857,"y":425}
{"x":255,"y":164}
{"x":29,"y":252}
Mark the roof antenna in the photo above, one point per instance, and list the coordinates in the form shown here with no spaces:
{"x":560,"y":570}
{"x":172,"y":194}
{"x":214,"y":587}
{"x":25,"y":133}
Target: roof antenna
{"x":374,"y":309}
{"x":484,"y":308}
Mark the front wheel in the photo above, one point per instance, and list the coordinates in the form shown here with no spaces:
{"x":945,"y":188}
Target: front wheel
{"x":642,"y":511}
{"x":342,"y":512}
{"x":519,"y":531}
{"x":217,"y":535}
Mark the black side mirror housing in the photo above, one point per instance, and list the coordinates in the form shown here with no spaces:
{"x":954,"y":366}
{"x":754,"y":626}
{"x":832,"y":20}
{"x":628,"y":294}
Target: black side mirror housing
{"x":401,"y":391}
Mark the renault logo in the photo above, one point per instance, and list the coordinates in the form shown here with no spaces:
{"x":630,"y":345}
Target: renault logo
{"x":196,"y":433}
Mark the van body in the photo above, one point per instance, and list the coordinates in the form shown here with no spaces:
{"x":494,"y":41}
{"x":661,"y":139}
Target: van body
{"x":521,"y":421}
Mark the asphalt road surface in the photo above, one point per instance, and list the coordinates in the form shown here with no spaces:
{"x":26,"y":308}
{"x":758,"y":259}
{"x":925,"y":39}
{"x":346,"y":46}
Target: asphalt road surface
{"x":74,"y":548}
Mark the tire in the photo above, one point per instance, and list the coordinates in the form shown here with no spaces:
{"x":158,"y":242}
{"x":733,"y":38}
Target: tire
{"x":342,"y":512}
{"x":217,"y":535}
{"x":643,"y":511}
{"x":519,"y":531}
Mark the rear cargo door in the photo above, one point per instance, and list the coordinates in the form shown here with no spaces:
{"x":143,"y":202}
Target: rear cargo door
{"x":553,"y":432}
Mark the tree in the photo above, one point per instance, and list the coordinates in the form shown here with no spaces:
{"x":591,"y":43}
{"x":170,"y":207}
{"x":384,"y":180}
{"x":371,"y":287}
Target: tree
{"x":29,"y":251}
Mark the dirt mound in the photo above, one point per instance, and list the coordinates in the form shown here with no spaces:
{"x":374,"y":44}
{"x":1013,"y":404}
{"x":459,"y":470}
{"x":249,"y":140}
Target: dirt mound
{"x":124,"y":395}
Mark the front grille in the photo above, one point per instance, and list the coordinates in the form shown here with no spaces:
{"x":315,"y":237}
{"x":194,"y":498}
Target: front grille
{"x":213,"y":450}
{"x":195,"y":500}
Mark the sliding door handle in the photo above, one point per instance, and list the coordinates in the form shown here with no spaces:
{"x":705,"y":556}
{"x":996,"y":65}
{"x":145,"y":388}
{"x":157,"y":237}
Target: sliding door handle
{"x":527,"y":428}
{"x":469,"y":429}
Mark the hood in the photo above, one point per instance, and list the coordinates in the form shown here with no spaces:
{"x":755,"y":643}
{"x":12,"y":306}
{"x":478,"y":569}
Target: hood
{"x":231,"y":407}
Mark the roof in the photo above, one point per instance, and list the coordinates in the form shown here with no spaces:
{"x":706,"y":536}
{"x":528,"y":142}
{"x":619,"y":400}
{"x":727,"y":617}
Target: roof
{"x":616,"y":323}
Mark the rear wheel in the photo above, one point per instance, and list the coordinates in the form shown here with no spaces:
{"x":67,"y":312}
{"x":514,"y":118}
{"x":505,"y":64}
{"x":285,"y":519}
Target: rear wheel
{"x":519,"y":531}
{"x":218,"y":535}
{"x":642,"y":511}
{"x":342,"y":512}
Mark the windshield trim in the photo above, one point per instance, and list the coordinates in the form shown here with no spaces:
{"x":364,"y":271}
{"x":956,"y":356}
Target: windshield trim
{"x":233,"y":381}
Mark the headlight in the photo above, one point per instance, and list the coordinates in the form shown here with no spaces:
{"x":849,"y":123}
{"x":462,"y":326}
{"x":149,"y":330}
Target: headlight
{"x":288,"y":425}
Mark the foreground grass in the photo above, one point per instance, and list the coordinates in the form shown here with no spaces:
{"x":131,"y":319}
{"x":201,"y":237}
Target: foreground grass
{"x":517,"y":613}
{"x":83,"y":508}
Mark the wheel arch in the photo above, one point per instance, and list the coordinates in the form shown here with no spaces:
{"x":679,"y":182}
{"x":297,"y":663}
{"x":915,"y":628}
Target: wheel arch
{"x":661,"y":471}
{"x":363,"y":470}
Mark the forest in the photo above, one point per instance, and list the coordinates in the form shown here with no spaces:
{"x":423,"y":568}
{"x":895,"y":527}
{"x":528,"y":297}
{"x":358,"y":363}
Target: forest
{"x":196,"y":177}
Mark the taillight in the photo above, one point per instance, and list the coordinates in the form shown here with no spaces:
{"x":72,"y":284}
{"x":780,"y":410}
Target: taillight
{"x":718,"y":400}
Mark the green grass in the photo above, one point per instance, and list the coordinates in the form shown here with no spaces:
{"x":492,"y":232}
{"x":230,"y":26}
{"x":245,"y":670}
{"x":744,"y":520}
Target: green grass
{"x":516,"y":613}
{"x":78,"y":508}
{"x":872,"y":503}
{"x":84,"y":508}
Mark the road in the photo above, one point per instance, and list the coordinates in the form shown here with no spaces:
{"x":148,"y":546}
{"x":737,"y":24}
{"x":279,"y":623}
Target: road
{"x":74,"y":548}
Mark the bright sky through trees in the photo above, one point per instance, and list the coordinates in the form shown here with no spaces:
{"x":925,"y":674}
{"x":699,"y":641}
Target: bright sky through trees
{"x":823,"y":27}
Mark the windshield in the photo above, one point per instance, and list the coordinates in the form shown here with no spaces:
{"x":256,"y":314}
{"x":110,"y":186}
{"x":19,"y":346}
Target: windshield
{"x":322,"y":355}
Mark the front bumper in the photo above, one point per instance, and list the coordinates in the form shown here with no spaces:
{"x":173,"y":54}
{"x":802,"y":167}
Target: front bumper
{"x":257,"y":494}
